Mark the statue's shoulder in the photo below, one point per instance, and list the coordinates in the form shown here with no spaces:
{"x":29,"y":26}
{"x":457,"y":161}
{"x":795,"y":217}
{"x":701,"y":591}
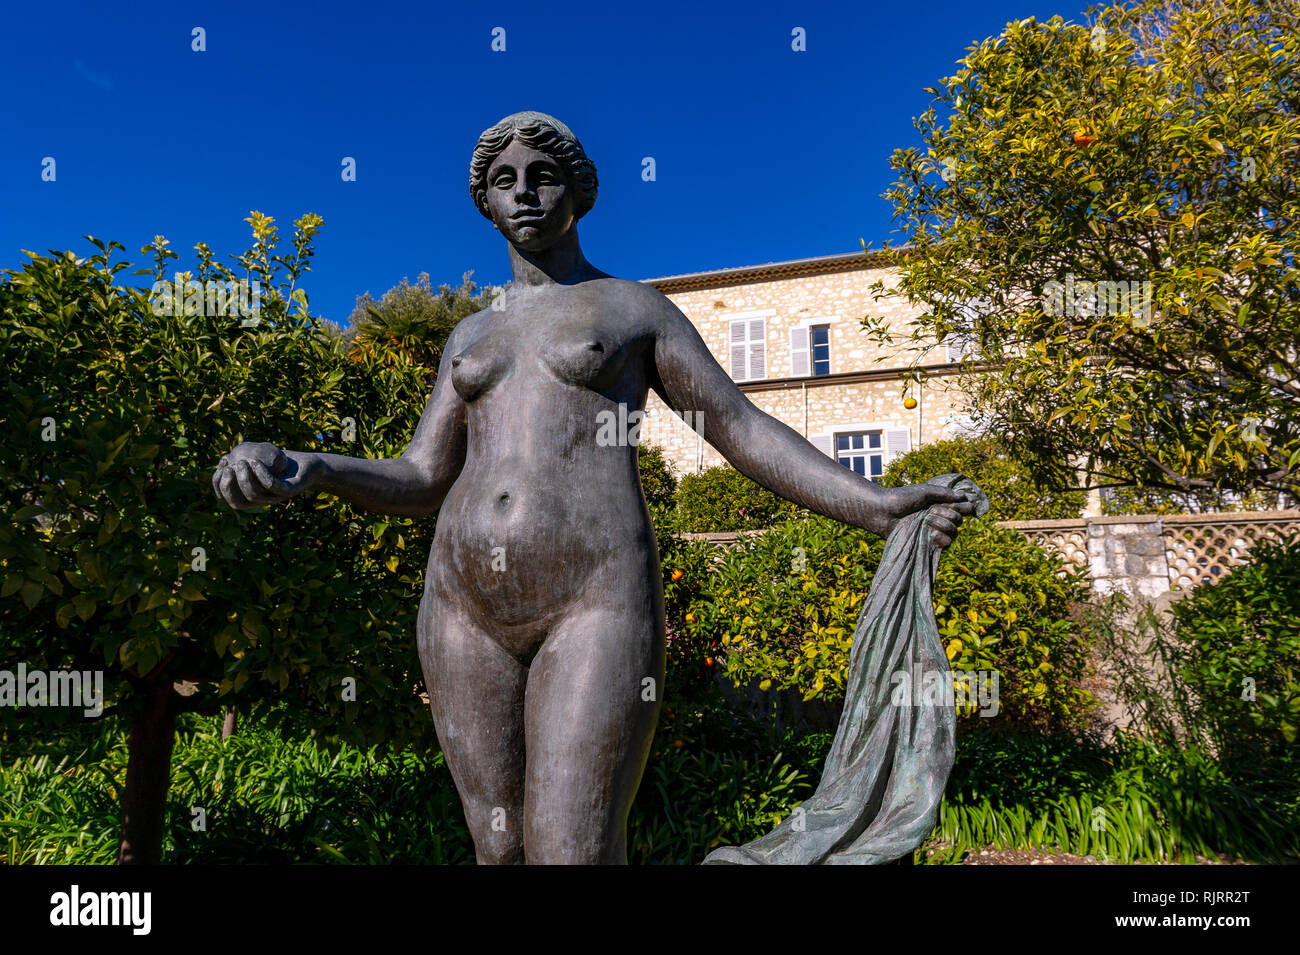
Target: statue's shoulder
{"x":625,"y":286}
{"x":644,"y":297}
{"x":464,"y":331}
{"x":469,"y":324}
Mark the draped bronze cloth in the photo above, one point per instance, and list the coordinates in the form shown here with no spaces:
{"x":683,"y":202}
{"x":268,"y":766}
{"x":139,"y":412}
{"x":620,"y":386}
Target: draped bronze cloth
{"x":885,"y":774}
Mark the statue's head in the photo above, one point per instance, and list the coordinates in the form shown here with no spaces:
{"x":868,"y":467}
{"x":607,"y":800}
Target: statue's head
{"x":531,"y":177}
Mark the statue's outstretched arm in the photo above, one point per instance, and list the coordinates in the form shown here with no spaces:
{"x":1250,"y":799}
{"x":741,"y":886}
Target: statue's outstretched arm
{"x":413,"y":484}
{"x":688,"y":378}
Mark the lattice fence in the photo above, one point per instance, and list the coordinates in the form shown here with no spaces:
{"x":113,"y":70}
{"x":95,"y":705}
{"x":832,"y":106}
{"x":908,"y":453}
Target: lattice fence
{"x":1070,"y":542}
{"x":1201,"y":548}
{"x":1147,"y":552}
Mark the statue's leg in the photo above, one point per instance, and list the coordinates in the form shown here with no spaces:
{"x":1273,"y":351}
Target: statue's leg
{"x":477,"y":694}
{"x":594,"y":693}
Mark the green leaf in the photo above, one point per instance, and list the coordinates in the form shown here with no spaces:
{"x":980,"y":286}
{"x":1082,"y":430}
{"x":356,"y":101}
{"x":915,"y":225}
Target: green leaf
{"x":157,"y":598}
{"x":85,"y":605}
{"x":63,"y":615}
{"x":31,"y":594}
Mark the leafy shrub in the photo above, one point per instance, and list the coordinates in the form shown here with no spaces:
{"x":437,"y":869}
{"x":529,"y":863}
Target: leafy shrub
{"x":684,"y":564}
{"x":657,"y":481}
{"x":781,"y":609}
{"x":118,"y":555}
{"x":1013,"y":494}
{"x":411,"y":323}
{"x":722,"y":499}
{"x":1240,"y":654}
{"x":692,"y":652}
{"x":1003,"y":603}
{"x":1220,"y":670}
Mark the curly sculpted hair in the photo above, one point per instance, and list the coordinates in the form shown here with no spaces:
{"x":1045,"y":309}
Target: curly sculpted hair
{"x":541,"y":132}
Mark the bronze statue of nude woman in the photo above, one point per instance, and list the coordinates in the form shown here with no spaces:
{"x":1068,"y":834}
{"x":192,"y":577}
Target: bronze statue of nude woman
{"x":542,"y":614}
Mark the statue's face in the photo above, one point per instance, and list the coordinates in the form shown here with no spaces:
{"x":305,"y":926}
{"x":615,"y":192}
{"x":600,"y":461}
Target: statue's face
{"x":529,"y":197}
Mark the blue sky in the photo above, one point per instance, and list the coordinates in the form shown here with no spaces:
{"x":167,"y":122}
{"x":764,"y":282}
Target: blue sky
{"x":762,"y":153}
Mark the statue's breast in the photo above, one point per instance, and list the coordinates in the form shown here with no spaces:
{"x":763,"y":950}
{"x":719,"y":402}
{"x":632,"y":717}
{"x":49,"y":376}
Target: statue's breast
{"x":479,"y":367}
{"x":591,"y":360}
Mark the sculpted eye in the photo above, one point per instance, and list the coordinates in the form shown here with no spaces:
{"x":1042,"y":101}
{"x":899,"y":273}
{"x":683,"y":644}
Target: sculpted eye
{"x":503,"y":181}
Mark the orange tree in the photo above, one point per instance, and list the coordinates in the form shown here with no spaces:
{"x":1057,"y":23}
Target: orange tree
{"x":116,"y":555}
{"x":1108,"y":215}
{"x":779,"y":612}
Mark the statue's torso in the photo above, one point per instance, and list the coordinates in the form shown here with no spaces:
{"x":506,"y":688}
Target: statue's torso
{"x":548,"y":510}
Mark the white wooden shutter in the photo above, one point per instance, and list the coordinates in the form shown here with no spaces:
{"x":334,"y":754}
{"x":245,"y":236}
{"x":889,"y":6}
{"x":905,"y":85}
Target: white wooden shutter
{"x":800,"y":363}
{"x":748,"y":350}
{"x":739,"y":357}
{"x":757,"y":349}
{"x":898,"y":441}
{"x":823,"y":443}
{"x":958,"y":345}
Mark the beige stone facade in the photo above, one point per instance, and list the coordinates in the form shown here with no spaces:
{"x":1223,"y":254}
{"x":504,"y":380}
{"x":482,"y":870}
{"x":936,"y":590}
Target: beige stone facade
{"x":758,"y":322}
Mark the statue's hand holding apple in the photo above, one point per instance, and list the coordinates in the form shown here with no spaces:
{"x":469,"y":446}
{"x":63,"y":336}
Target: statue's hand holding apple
{"x":257,"y":473}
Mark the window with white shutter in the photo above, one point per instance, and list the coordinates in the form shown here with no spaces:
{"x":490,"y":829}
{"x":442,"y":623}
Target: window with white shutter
{"x":748,"y":350}
{"x":810,"y":350}
{"x":799,"y":357}
{"x":898,"y":441}
{"x":739,"y":359}
{"x":757,"y":349}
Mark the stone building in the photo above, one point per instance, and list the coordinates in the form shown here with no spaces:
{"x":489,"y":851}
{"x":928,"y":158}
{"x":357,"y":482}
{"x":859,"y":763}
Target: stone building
{"x":790,"y":334}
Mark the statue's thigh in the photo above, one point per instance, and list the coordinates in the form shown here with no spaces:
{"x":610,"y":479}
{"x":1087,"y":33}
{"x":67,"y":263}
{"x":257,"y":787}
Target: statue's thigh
{"x":594,"y":693}
{"x":476,"y":691}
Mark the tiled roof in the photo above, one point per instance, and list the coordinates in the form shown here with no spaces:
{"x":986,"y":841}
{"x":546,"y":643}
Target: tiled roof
{"x":794,"y":268}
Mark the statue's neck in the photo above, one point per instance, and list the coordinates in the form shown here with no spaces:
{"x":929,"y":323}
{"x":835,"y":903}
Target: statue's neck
{"x":562,"y":261}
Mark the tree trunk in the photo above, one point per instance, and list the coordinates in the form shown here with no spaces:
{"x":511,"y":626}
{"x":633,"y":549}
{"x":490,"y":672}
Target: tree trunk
{"x":230,"y":724}
{"x":148,"y":777}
